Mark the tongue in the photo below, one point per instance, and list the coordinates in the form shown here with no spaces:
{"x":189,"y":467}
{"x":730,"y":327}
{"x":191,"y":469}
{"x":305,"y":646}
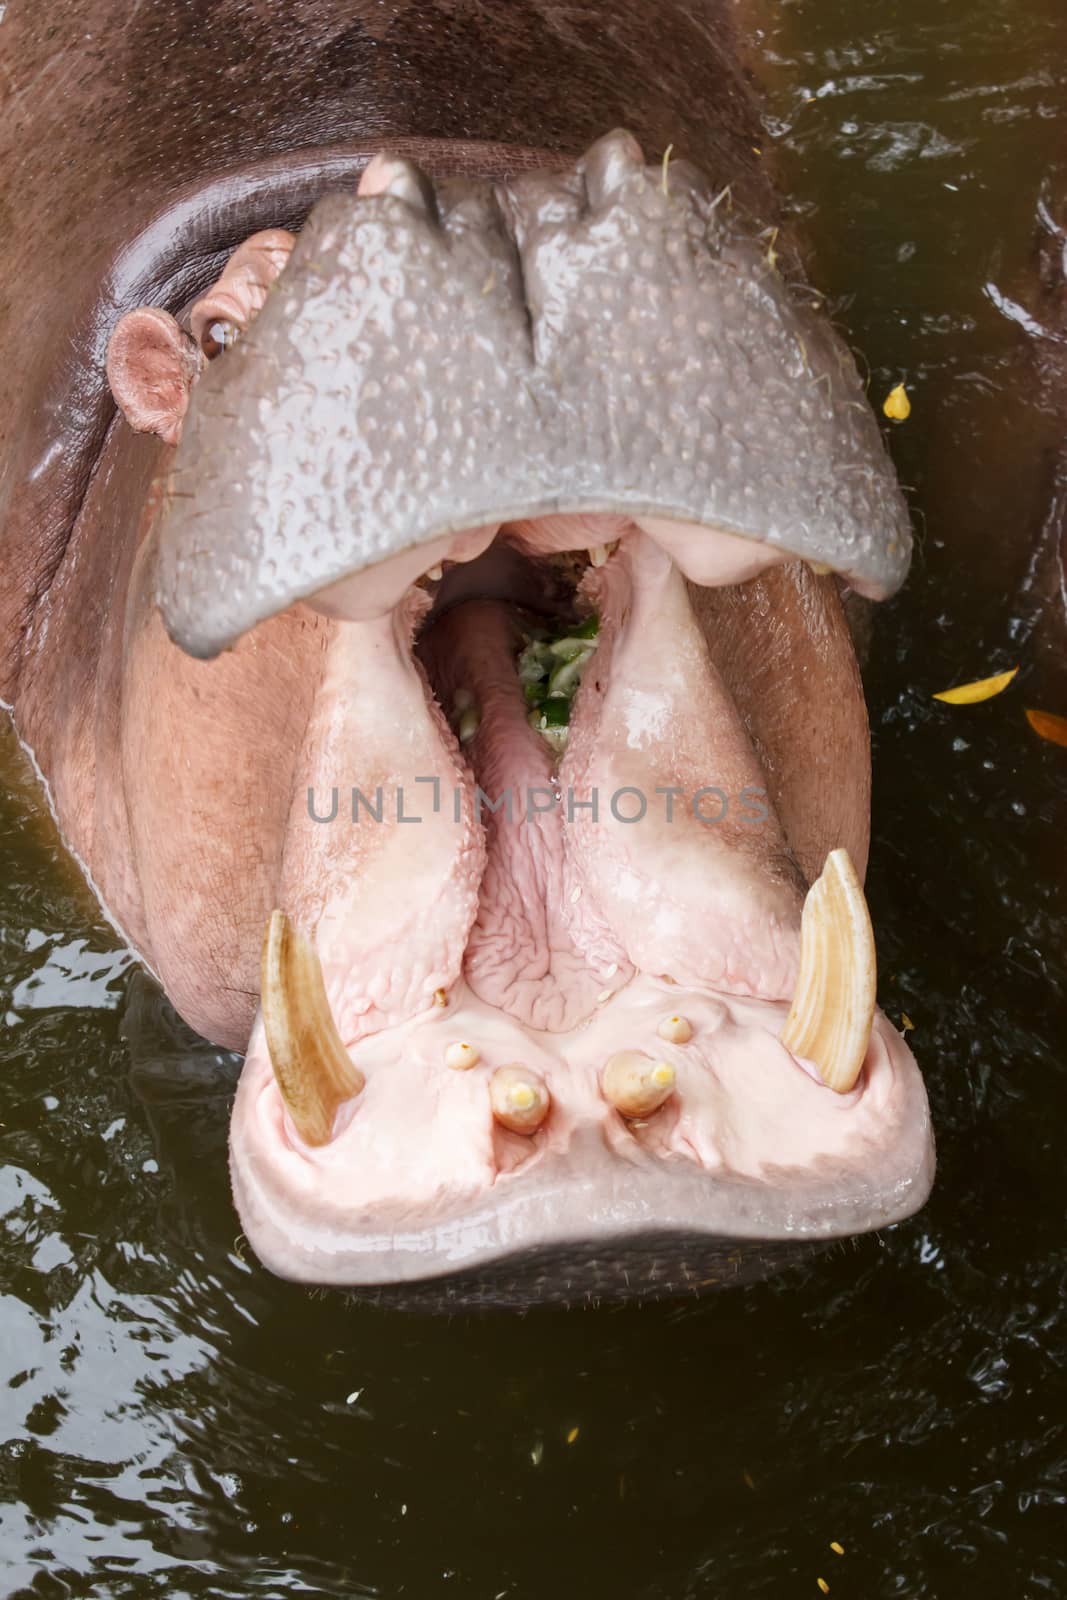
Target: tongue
{"x":534,"y":952}
{"x":653,"y":846}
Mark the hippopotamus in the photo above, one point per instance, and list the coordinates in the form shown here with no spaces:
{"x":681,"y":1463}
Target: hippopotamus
{"x":429,"y":496}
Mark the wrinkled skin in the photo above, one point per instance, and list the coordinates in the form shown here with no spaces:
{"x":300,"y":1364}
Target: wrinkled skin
{"x":548,"y":349}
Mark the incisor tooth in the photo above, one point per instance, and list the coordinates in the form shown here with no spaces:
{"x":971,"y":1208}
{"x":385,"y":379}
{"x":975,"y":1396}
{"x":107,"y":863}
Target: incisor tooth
{"x":461,"y":1056}
{"x":469,"y":723}
{"x":312,"y":1067}
{"x":829,"y":1022}
{"x":676,"y":1030}
{"x":519,"y":1098}
{"x":635,"y":1084}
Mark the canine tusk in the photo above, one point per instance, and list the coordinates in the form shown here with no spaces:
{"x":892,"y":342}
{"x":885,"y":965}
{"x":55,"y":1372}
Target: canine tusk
{"x":312,"y":1067}
{"x":830,"y":1020}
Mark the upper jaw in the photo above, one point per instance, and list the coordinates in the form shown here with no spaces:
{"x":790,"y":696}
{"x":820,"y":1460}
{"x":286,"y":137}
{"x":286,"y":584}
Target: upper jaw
{"x":611,"y":339}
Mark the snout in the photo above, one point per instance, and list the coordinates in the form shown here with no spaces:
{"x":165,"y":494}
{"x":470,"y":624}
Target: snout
{"x":559,"y":481}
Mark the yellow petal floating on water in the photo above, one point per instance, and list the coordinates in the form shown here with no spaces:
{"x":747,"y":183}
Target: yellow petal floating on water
{"x":897,"y":405}
{"x":1048,"y":725}
{"x":969,"y":694}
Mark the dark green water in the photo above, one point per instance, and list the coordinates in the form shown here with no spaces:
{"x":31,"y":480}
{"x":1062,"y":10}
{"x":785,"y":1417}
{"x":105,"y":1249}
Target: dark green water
{"x":179,"y":1423}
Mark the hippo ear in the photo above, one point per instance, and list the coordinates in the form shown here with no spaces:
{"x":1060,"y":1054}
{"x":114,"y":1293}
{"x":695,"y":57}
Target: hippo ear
{"x":151,"y":367}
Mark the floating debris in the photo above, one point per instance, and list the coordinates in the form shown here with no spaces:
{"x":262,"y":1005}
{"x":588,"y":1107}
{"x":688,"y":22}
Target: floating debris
{"x":896,"y":405}
{"x":1048,"y":726}
{"x":971,"y":694}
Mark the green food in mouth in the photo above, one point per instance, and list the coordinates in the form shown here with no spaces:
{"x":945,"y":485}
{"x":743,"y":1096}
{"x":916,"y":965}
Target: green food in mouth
{"x":550,"y":670}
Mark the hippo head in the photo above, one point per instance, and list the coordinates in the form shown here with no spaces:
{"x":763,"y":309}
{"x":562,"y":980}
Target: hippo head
{"x":485,"y":647}
{"x":440,"y":664}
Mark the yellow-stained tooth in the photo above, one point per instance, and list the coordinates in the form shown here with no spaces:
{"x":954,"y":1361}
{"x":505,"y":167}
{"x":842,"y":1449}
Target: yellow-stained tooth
{"x":313,"y":1069}
{"x":519,"y":1098}
{"x":676,"y":1030}
{"x":467,"y":716}
{"x":830,"y":1020}
{"x":635,"y":1084}
{"x":469,"y":723}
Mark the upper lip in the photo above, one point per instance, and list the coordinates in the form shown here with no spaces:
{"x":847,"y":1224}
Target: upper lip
{"x":774,"y":440}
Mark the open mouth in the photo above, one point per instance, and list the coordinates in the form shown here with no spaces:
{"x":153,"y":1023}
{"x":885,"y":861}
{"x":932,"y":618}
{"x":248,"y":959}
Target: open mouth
{"x":571,"y":949}
{"x":558,"y":982}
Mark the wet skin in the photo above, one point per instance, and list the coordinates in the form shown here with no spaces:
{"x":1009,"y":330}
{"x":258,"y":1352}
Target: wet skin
{"x":181,"y":782}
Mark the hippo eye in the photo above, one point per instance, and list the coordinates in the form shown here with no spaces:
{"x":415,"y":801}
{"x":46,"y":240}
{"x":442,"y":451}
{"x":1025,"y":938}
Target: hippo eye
{"x":217,"y":337}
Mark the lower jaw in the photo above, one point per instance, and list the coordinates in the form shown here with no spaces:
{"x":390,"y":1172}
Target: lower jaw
{"x":418,"y":1182}
{"x":751,"y":1152}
